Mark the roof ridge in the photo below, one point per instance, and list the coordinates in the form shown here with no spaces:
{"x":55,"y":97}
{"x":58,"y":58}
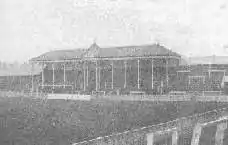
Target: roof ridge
{"x":124,"y":46}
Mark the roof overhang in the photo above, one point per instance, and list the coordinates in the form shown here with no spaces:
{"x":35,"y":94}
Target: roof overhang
{"x":104,"y":58}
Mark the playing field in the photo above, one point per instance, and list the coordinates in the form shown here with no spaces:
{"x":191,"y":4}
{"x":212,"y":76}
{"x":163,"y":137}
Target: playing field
{"x":58,"y":122}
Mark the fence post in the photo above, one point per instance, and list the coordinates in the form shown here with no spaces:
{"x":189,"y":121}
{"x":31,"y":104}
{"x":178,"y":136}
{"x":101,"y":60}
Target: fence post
{"x":220,"y":133}
{"x":150,"y":139}
{"x":196,"y":134}
{"x":175,"y":138}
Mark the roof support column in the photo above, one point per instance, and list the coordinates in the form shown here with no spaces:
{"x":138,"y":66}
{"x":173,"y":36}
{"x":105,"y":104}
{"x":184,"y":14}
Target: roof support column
{"x":138,"y":74}
{"x":87,"y":75}
{"x":99,"y":76}
{"x":96,"y":77}
{"x":152,"y":74}
{"x":112,"y":74}
{"x":32,"y":78}
{"x":125,"y":74}
{"x":76,"y":74}
{"x":42,"y":76}
{"x":53,"y":78}
{"x":64,"y":75}
{"x":84,"y":68}
{"x":167,"y":72}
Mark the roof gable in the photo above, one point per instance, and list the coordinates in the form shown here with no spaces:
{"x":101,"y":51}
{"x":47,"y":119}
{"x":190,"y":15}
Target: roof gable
{"x":92,"y":51}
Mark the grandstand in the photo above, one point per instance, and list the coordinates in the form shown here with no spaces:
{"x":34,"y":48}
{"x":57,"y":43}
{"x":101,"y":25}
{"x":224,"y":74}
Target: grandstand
{"x":126,"y":70}
{"x":145,"y":69}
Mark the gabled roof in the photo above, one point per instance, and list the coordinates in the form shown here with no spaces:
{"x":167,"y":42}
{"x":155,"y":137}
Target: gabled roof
{"x":125,"y":51}
{"x":60,"y":55}
{"x":95,"y":51}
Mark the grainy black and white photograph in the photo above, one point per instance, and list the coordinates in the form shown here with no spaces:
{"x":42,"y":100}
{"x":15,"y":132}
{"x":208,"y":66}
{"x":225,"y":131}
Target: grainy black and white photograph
{"x":113,"y":72}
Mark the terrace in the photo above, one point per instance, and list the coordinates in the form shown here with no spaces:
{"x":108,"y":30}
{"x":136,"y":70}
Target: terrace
{"x":37,"y":121}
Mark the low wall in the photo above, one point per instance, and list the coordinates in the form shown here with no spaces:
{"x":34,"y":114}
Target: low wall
{"x":158,"y":98}
{"x":164,"y":98}
{"x":12,"y":94}
{"x":69,"y":96}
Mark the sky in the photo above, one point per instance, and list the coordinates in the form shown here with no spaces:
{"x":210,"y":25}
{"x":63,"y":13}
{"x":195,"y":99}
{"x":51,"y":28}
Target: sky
{"x":29,"y":28}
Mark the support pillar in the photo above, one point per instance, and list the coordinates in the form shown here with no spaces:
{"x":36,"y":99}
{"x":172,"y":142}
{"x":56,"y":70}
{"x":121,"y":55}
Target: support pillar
{"x":138,"y":74}
{"x":76,"y":74}
{"x":175,"y":138}
{"x":167,"y":73}
{"x":84,"y":77}
{"x":64,"y":75}
{"x":87,"y":75}
{"x":112,"y":74}
{"x":209,"y":70}
{"x":150,"y":139}
{"x":53,"y":78}
{"x":96,"y":77}
{"x":196,"y":134}
{"x":219,"y":136}
{"x":152,"y":74}
{"x":125,"y":74}
{"x":42,"y":77}
{"x":99,"y":77}
{"x":32,"y":77}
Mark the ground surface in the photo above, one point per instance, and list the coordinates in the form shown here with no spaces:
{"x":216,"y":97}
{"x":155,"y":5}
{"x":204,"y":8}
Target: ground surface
{"x":58,"y":122}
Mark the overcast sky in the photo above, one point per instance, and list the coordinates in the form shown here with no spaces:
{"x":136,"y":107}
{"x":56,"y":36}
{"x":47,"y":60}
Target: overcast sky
{"x":31,"y":27}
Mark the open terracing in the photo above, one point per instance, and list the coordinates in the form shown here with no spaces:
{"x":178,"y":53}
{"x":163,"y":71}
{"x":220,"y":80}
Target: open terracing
{"x":84,"y":120}
{"x":182,"y":131}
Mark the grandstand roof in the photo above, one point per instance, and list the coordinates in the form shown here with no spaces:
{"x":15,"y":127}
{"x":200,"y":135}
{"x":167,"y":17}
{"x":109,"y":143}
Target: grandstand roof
{"x":60,"y":55}
{"x":124,"y":51}
{"x":95,"y":51}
